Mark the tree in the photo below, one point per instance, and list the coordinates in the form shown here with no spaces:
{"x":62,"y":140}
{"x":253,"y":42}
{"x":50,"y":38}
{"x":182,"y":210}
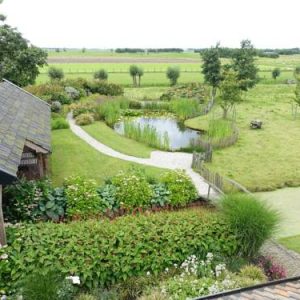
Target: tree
{"x":101,"y":75}
{"x":230,"y":92}
{"x":173,"y":74}
{"x":19,"y":61}
{"x":276,"y":73}
{"x":133,"y":71}
{"x":243,"y":64}
{"x":211,"y":68}
{"x":140,"y":73}
{"x":56,"y":73}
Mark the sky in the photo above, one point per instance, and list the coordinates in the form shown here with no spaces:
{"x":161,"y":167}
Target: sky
{"x":155,"y":23}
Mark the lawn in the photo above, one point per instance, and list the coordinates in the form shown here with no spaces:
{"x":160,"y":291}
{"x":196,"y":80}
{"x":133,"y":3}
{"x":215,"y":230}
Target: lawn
{"x":71,"y":156}
{"x":292,"y":242}
{"x":106,"y":135}
{"x":262,"y":159}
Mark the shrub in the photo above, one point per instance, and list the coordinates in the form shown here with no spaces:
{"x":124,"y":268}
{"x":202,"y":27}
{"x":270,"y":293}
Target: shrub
{"x":133,"y":190}
{"x":251,"y":219}
{"x":181,"y":187}
{"x":23,"y":198}
{"x":82,"y":198}
{"x":173,"y":74}
{"x":104,"y":88}
{"x":253,"y":272}
{"x":56,"y":106}
{"x":135,"y":104}
{"x":106,"y":252}
{"x":55,"y":73}
{"x":273,"y":270}
{"x":101,"y":74}
{"x":161,"y":195}
{"x":84,"y":119}
{"x":72,"y":93}
{"x":192,"y":90}
{"x":108,"y":196}
{"x":59,"y":123}
{"x":82,"y":108}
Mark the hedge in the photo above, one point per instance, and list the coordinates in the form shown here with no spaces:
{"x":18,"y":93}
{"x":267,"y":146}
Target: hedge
{"x":105,"y":252}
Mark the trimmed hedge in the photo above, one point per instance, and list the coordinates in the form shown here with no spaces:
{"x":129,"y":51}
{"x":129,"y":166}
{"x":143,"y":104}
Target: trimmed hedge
{"x":105,"y":252}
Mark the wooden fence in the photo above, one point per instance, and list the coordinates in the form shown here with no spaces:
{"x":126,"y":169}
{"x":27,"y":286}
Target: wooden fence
{"x":218,"y":182}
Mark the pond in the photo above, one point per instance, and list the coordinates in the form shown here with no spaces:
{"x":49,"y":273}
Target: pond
{"x":179,"y":135}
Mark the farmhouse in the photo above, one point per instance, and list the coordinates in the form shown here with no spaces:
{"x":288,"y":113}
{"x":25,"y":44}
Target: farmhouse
{"x":24,"y":136}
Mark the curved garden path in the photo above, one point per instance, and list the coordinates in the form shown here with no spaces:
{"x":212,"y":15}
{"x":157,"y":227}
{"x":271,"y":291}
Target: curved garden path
{"x":160,"y":159}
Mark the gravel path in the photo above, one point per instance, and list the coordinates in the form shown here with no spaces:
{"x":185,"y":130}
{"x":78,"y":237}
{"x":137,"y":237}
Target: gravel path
{"x":160,"y":159}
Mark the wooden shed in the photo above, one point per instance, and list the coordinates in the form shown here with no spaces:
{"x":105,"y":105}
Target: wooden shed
{"x":25,"y":138}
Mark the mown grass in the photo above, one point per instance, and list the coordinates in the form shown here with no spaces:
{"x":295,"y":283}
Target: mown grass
{"x":263,"y":159}
{"x":72,"y":156}
{"x":106,"y":135}
{"x":292,"y":243}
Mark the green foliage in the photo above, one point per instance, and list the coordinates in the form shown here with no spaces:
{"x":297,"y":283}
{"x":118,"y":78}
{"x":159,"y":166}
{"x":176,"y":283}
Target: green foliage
{"x":84,"y":119}
{"x":252,"y":221}
{"x":31,"y":200}
{"x":20,"y":62}
{"x":56,"y":106}
{"x":82,"y":108}
{"x":244,"y":64}
{"x":297,"y":94}
{"x":108,"y":196}
{"x":135,"y":104}
{"x":85,"y":297}
{"x":230,"y":93}
{"x":181,"y":187}
{"x":173,"y":74}
{"x":106,"y":252}
{"x":211,"y":68}
{"x":185,"y":108}
{"x":161,"y":195}
{"x":55,"y":73}
{"x":133,"y":71}
{"x":104,"y":88}
{"x":219,"y":128}
{"x":133,"y":189}
{"x":82,"y":198}
{"x":276,"y":73}
{"x":140,"y":73}
{"x":193,"y":90}
{"x":146,"y":134}
{"x":59,"y":123}
{"x":101,"y":75}
{"x":253,"y":272}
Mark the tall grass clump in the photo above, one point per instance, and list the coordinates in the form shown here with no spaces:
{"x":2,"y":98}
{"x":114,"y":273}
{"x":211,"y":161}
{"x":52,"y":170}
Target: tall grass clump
{"x":146,"y":134}
{"x":156,"y":106}
{"x":252,"y":221}
{"x":110,"y":110}
{"x":219,"y":128}
{"x":185,"y":108}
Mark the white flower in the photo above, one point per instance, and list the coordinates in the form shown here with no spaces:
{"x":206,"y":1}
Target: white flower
{"x":4,"y":256}
{"x":3,"y":297}
{"x":74,"y":279}
{"x":148,"y":273}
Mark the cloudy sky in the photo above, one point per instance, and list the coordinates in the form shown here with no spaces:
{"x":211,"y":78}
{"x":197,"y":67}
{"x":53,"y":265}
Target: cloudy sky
{"x":155,"y":23}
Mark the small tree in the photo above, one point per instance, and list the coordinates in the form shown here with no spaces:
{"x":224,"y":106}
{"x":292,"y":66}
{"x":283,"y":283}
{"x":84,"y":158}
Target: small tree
{"x":211,"y":69}
{"x":133,"y":71}
{"x":230,"y":92}
{"x":101,"y":75}
{"x":140,"y":73}
{"x":55,"y":73}
{"x":173,"y":74}
{"x":243,"y":64}
{"x":276,"y":73}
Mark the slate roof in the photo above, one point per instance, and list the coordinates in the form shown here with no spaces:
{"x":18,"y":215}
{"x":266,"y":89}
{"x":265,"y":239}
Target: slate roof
{"x":280,"y":290}
{"x":22,"y":117}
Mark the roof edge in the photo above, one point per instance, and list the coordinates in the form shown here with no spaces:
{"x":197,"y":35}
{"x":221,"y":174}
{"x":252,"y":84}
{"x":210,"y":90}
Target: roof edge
{"x":24,"y":91}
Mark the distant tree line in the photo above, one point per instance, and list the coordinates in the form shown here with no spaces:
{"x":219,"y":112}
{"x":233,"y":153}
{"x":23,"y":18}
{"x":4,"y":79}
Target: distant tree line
{"x":151,"y":50}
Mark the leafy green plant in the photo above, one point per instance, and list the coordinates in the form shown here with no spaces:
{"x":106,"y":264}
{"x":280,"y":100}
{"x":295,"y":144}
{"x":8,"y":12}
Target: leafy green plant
{"x":173,"y":74}
{"x":219,"y":128}
{"x":85,"y":119}
{"x":101,"y":74}
{"x":133,"y":190}
{"x":253,"y":272}
{"x":104,"y":252}
{"x":161,"y":195}
{"x":251,"y":219}
{"x":82,"y":197}
{"x":55,"y":73}
{"x":181,"y":187}
{"x":185,"y":108}
{"x":104,"y":88}
{"x":108,"y":196}
{"x":59,"y":123}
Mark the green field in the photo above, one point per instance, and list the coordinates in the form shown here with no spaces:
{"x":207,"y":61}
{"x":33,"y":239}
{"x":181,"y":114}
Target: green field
{"x":72,"y":156}
{"x":263,"y":159}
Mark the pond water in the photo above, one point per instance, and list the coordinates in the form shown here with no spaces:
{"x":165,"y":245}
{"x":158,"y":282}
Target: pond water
{"x":179,"y":135}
